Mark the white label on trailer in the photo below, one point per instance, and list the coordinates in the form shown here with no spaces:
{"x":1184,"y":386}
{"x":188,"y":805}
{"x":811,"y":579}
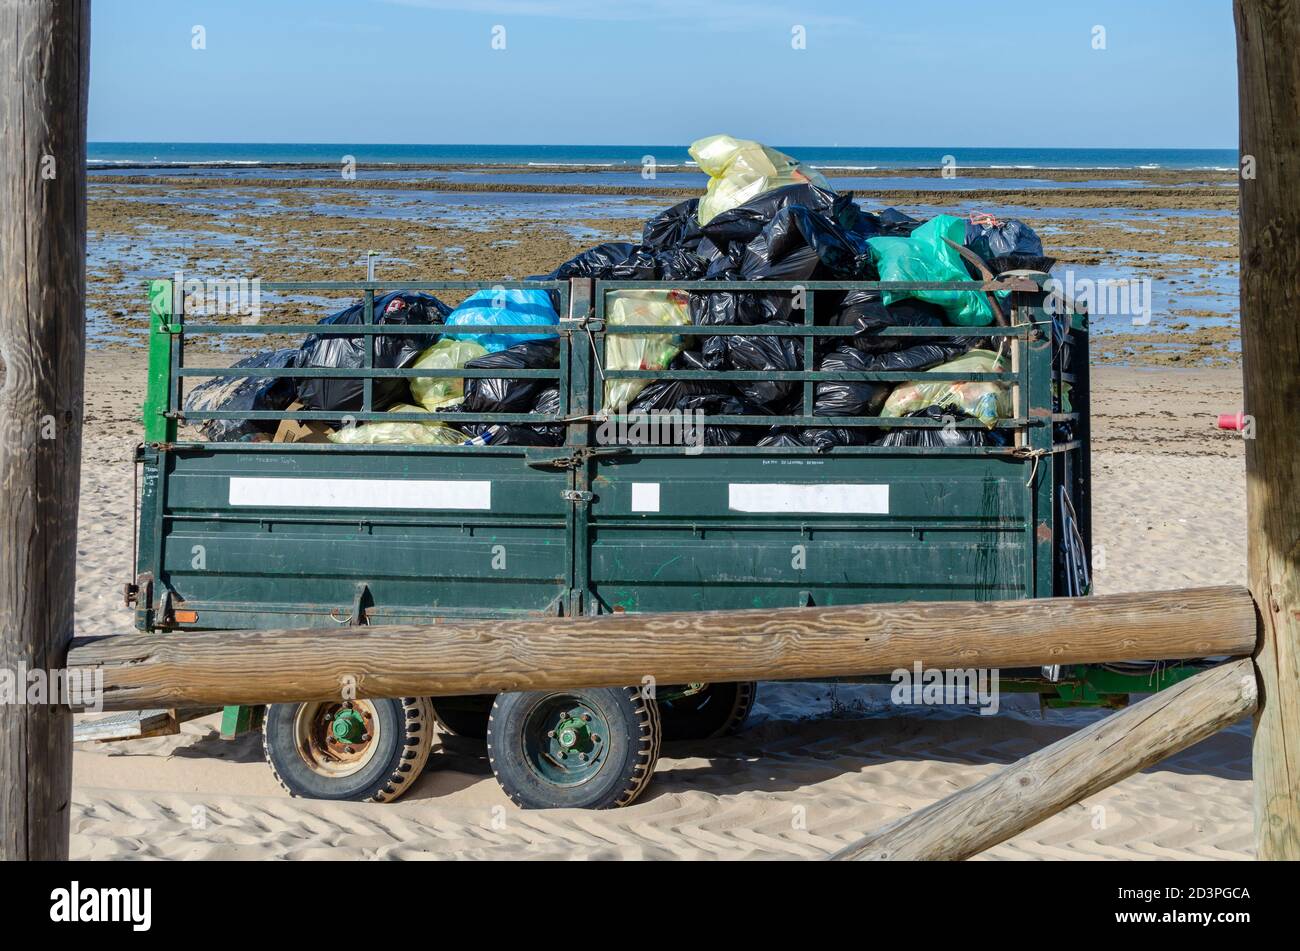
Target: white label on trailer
{"x":645,"y":496}
{"x":361,"y":493}
{"x":846,"y":499}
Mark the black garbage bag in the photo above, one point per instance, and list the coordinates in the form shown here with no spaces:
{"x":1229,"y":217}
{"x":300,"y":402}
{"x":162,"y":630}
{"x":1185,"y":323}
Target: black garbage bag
{"x":798,"y":243}
{"x":849,"y":398}
{"x":548,"y":401}
{"x":866,"y":313}
{"x":943,"y":437}
{"x":822,"y":440}
{"x":783,"y":437}
{"x":865,"y":398}
{"x":790,"y":234}
{"x":682,"y":396}
{"x":691,"y":360}
{"x":509,"y":394}
{"x":732,"y":308}
{"x":391,"y":350}
{"x":612,"y":261}
{"x":666,"y":395}
{"x":1007,"y":246}
{"x":679,"y":264}
{"x":769,"y":353}
{"x":990,"y":239}
{"x":744,"y":223}
{"x":896,"y":224}
{"x":677,"y":228}
{"x":240,"y":393}
{"x":718,"y":404}
{"x":502,"y":434}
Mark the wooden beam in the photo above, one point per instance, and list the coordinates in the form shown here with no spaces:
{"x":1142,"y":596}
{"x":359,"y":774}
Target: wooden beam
{"x":1268,"y":36}
{"x":44,"y":68}
{"x":1043,"y":783}
{"x":248,"y":667}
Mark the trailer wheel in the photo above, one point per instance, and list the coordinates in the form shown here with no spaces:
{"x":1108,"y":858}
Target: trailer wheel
{"x":354,"y":750}
{"x":576,"y":749}
{"x":717,"y":710}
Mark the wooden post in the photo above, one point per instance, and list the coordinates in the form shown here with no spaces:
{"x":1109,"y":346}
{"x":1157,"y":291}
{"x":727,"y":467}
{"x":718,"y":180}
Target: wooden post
{"x":247,"y":667}
{"x":1043,"y":783}
{"x":45,"y":61}
{"x":1268,"y":36}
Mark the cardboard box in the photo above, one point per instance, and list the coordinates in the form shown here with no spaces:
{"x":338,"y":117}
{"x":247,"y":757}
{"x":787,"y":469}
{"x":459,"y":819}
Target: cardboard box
{"x":292,"y":430}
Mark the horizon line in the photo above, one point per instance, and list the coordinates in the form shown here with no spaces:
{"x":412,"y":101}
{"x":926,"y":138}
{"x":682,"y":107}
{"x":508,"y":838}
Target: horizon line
{"x":805,"y":145}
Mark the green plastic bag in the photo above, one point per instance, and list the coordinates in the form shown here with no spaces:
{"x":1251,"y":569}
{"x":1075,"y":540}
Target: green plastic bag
{"x":433,"y":392}
{"x":641,"y":351}
{"x":986,"y":401}
{"x":740,"y":170}
{"x":925,"y":257}
{"x":400,"y":433}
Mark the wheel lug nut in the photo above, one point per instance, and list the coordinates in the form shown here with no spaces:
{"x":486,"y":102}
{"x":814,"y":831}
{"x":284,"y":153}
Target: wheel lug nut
{"x":595,"y":738}
{"x":550,"y":734}
{"x":349,"y":749}
{"x":586,"y":718}
{"x":365,"y":737}
{"x":584,"y":757}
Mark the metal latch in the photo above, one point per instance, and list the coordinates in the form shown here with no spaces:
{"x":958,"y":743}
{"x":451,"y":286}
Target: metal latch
{"x":577,"y":495}
{"x":579,"y":458}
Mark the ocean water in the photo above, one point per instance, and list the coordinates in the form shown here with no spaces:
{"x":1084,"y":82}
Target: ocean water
{"x":260,"y":154}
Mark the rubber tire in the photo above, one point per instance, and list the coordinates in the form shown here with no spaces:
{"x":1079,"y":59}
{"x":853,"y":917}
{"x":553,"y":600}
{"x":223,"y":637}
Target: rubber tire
{"x":471,"y":724}
{"x":634,"y":749}
{"x":406,"y":737}
{"x":718,"y":710}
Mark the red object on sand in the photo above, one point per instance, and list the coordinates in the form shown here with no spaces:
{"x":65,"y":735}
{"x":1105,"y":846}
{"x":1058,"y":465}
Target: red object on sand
{"x":1232,"y":421}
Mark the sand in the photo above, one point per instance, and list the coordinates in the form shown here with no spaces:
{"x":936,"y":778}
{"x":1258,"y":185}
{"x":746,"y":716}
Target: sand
{"x":817,"y":765}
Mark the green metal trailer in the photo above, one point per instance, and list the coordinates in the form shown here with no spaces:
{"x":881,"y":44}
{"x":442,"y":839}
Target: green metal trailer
{"x":242,"y":535}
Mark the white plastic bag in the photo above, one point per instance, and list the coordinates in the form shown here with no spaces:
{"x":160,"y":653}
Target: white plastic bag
{"x":740,"y":170}
{"x":986,"y":401}
{"x":641,"y":351}
{"x":433,"y":392}
{"x":400,"y":433}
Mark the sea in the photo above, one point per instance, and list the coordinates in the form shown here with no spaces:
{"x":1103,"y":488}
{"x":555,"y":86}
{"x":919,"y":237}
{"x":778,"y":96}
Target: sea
{"x":120,"y":154}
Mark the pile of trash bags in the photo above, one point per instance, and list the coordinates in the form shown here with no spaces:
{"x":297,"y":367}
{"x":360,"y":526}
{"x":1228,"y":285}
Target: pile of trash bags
{"x":763,"y":217}
{"x":434,"y":347}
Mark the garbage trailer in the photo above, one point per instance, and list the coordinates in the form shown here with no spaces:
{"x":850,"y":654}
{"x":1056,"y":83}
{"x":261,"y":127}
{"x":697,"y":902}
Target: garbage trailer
{"x":661,"y":462}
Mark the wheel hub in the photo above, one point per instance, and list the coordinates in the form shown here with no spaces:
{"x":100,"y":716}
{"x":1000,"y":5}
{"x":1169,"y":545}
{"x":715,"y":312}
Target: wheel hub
{"x":574,"y":734}
{"x":566,"y":741}
{"x":336,"y":738}
{"x":347,"y":726}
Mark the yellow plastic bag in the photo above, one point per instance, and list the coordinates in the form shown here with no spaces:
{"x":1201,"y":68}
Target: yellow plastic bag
{"x":740,"y":170}
{"x":637,"y":351}
{"x":399,"y":433}
{"x":988,"y":402}
{"x":433,"y":392}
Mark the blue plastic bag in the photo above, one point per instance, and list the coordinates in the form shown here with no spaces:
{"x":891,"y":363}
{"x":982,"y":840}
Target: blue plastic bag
{"x":503,"y":308}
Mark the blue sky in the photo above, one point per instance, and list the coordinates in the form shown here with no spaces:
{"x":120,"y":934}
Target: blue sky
{"x":875,"y":72}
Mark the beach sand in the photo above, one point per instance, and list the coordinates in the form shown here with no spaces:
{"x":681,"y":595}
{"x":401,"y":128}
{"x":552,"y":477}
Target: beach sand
{"x":817,"y":765}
